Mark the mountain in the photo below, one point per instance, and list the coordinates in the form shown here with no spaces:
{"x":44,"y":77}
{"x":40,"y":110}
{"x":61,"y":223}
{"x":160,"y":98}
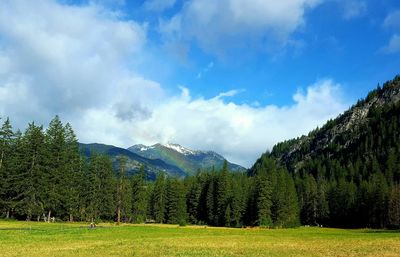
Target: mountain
{"x":368,"y":130}
{"x":152,"y":166}
{"x":172,"y":159}
{"x":347,"y":173}
{"x":190,"y":161}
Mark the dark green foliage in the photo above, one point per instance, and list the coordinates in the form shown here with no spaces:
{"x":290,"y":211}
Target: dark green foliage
{"x":73,"y":175}
{"x":123,"y":192}
{"x":308,"y":195}
{"x":263,"y":200}
{"x":285,"y":210}
{"x":223,"y":197}
{"x":211,"y":201}
{"x":30,"y":179}
{"x":345,"y":174}
{"x":394,"y":207}
{"x":43,"y":175}
{"x":158,"y":199}
{"x":139,"y":196}
{"x":193,"y":199}
{"x":175,"y":206}
{"x":345,"y":171}
{"x":100,"y":189}
{"x":6,"y":163}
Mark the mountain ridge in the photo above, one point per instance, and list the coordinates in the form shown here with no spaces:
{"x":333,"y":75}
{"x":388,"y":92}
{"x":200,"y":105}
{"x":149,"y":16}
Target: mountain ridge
{"x":184,"y":158}
{"x":171,"y":159}
{"x":337,"y":134}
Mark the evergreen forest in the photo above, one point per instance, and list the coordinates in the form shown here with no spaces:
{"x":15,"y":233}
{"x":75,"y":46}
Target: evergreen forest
{"x":351,"y":182}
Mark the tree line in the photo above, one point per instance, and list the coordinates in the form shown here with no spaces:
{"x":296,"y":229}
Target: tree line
{"x":44,"y":175}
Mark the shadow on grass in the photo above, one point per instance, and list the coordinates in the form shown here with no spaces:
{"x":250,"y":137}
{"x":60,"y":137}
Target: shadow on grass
{"x":382,"y":231}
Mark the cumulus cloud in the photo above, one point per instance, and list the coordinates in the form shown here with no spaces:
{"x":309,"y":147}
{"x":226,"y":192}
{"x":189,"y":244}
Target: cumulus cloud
{"x":239,"y":132}
{"x":217,"y":25}
{"x":56,"y":58}
{"x":75,"y":61}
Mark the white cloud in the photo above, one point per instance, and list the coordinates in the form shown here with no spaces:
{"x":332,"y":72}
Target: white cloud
{"x":75,"y":61}
{"x":393,"y":20}
{"x":158,"y":5}
{"x":60,"y":59}
{"x":229,"y":93}
{"x":393,"y":45}
{"x":354,"y":8}
{"x":239,"y":132}
{"x":218,"y":25}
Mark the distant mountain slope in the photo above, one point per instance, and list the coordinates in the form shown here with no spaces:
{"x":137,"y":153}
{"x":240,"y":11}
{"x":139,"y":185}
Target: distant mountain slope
{"x":368,"y":132}
{"x":173,"y":160}
{"x":186,"y":159}
{"x":152,"y":166}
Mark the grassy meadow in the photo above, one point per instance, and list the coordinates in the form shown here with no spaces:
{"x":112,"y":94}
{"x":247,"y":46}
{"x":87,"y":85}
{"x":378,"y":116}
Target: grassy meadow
{"x":64,"y":239}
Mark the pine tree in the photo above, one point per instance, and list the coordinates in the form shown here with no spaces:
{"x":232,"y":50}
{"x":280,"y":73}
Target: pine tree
{"x":6,"y":155}
{"x":238,"y":202}
{"x":139,"y":196}
{"x":193,"y":199}
{"x":342,"y":199}
{"x":101,"y":189}
{"x":55,"y":166}
{"x":73,"y":177}
{"x":263,"y":198}
{"x":322,"y":202}
{"x":379,"y":196}
{"x":284,"y":209}
{"x":223,"y":194}
{"x":211,"y":201}
{"x":175,"y":206}
{"x":158,"y":199}
{"x":29,"y":181}
{"x":309,"y":210}
{"x":123,"y":190}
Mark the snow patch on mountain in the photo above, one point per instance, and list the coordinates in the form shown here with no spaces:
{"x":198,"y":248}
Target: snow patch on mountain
{"x":179,"y":149}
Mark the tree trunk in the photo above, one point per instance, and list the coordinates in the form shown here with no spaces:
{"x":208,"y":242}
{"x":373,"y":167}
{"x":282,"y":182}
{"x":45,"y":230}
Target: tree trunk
{"x":71,"y":218}
{"x":8,"y":214}
{"x":49,"y":216}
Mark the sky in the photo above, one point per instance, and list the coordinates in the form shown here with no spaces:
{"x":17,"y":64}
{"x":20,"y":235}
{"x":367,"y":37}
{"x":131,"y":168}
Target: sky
{"x":232,"y":76}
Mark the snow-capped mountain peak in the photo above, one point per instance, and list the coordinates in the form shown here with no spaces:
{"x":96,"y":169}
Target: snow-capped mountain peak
{"x":179,"y":148}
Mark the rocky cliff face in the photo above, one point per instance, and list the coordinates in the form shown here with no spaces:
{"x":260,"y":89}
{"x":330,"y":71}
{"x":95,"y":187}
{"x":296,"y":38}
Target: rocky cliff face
{"x":338,"y":133}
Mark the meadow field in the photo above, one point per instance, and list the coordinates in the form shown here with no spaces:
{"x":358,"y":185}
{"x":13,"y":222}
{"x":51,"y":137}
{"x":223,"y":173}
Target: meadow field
{"x":19,"y":238}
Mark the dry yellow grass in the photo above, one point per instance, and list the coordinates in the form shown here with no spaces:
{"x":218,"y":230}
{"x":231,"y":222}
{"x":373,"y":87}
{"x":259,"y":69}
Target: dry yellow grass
{"x":63,"y":239}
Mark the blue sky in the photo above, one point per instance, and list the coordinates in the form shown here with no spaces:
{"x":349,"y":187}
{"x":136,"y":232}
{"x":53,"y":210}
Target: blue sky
{"x":234,"y":76}
{"x":339,"y":39}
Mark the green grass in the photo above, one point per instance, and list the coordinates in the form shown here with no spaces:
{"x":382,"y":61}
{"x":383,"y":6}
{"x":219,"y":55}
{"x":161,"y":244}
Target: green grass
{"x":64,"y":239}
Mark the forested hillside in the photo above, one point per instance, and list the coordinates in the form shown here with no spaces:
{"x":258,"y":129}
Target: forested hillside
{"x":44,"y":175}
{"x":345,"y":174}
